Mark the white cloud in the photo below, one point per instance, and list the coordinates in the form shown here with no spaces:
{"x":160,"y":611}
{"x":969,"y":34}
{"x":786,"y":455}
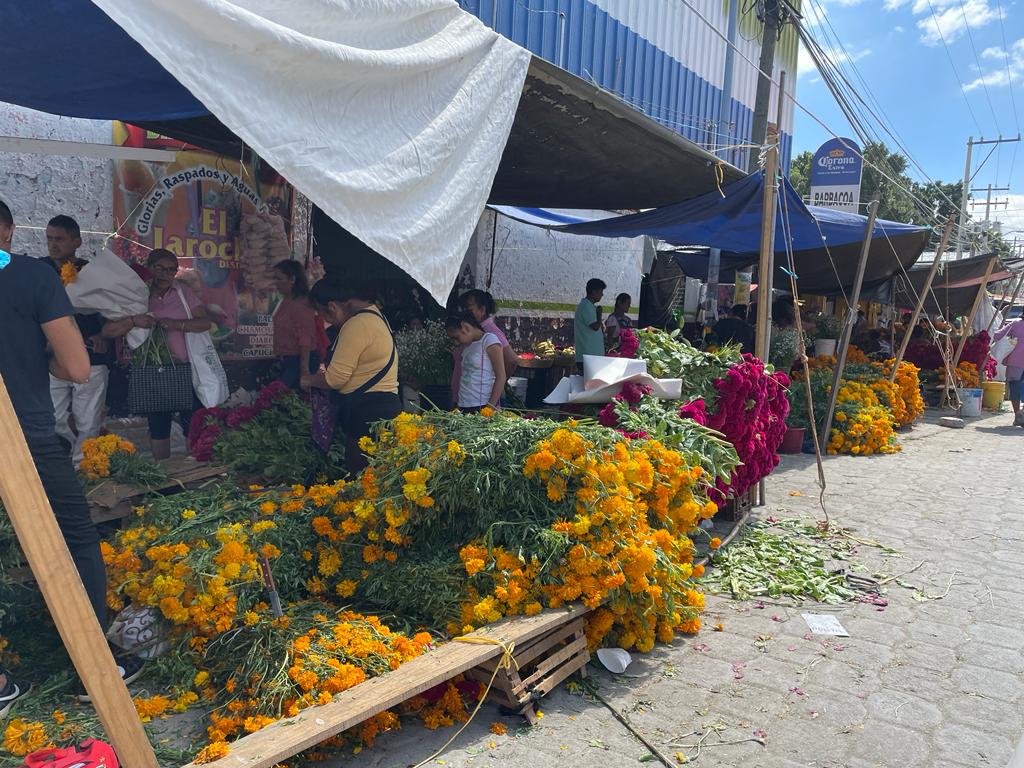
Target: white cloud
{"x":1012,"y":218}
{"x":952,"y":21}
{"x":947,"y":19}
{"x":1005,"y":69}
{"x":898,"y":29}
{"x":805,"y":64}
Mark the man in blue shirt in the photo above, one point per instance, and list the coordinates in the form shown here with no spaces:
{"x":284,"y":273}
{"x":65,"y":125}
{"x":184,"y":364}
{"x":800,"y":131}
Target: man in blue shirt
{"x":37,"y":319}
{"x":587,"y":331}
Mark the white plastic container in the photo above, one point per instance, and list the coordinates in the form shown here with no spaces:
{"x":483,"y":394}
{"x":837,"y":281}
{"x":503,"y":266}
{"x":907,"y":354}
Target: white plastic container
{"x":970,"y":400}
{"x":825,"y":347}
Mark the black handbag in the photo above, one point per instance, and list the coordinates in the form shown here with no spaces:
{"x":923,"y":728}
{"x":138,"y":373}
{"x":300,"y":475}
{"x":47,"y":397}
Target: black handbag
{"x":157,"y":384}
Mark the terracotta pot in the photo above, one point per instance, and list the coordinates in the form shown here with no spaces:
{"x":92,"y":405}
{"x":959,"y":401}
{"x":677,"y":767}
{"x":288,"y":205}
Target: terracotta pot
{"x":793,"y":440}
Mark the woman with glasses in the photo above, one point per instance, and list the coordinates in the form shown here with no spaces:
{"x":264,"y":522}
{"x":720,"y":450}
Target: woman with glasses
{"x":170,"y":305}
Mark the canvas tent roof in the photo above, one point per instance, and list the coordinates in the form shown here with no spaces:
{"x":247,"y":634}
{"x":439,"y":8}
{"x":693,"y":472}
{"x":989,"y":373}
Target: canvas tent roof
{"x":826,"y":243}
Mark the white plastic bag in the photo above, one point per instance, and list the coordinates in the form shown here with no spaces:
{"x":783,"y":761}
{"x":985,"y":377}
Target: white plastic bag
{"x":111,"y":287}
{"x":208,"y":377}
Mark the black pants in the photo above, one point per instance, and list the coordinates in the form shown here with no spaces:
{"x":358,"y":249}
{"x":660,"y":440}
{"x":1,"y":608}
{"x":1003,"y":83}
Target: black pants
{"x":160,"y":423}
{"x":362,"y":411}
{"x":290,"y":369}
{"x":63,"y":489}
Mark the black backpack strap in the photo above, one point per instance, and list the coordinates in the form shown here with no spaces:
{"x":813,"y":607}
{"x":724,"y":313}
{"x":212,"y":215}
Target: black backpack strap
{"x":376,"y":378}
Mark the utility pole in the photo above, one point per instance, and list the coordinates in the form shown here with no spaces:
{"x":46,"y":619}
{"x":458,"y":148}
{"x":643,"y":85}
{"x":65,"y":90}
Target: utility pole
{"x":988,"y":205}
{"x":772,"y":14}
{"x":968,"y":177}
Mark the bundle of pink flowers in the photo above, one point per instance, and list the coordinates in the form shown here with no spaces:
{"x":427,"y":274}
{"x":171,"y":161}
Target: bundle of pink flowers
{"x":208,"y":424}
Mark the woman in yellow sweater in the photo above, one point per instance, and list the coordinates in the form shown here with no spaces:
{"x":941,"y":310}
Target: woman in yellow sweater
{"x":362,"y":364}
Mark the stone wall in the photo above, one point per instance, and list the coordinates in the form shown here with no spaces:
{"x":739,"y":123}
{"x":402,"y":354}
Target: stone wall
{"x":38,"y":187}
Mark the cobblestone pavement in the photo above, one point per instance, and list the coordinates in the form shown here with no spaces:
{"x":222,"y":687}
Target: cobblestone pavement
{"x":925,"y":683}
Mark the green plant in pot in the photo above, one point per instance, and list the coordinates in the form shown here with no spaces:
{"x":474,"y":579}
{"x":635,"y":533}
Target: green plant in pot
{"x":425,"y":361}
{"x":827,"y":329}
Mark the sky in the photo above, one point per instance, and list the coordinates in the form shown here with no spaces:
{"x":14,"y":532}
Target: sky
{"x":939,"y":71}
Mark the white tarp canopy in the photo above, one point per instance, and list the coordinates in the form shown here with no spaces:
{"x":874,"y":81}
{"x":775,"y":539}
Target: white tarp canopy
{"x":389,"y":115}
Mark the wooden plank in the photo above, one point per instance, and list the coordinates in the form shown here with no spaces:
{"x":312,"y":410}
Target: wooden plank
{"x":181,"y":469}
{"x":41,"y":540}
{"x":544,"y":687}
{"x":537,"y":648}
{"x":551,"y":663}
{"x":285,"y":738}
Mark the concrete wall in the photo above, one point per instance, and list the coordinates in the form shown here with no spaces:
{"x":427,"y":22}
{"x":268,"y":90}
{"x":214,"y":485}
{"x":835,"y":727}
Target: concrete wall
{"x":38,"y":187}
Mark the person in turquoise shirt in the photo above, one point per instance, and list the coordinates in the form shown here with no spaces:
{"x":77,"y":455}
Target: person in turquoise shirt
{"x":588,"y":332}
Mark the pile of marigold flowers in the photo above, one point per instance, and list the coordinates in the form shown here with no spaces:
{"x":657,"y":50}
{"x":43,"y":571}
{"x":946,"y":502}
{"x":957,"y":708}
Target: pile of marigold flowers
{"x":112,"y":456}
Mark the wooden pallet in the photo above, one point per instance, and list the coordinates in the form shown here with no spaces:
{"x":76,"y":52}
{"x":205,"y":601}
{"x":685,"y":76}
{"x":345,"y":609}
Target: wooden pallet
{"x":113,"y":501}
{"x":540,"y":666}
{"x":284,"y":738}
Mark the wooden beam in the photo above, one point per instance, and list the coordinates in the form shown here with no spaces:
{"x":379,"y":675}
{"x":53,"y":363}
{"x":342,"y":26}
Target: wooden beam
{"x":47,"y":554}
{"x":84,"y":149}
{"x":850,"y":318}
{"x":279,"y":741}
{"x":1016,"y":292}
{"x":966,"y":329}
{"x":946,"y":232}
{"x":766,"y":264}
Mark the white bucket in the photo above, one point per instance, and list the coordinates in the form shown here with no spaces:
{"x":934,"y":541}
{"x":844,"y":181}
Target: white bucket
{"x":518,"y":385}
{"x":970,"y":402}
{"x":825,"y":347}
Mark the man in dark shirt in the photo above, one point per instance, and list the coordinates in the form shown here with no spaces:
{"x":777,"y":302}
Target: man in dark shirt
{"x":35,"y":314}
{"x":735,"y":329}
{"x":84,"y":401}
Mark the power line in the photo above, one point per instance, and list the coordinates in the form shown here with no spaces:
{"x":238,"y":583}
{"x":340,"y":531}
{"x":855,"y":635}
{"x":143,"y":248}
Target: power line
{"x":1006,"y":58}
{"x":802,"y":108}
{"x":952,"y":64}
{"x":977,"y":60}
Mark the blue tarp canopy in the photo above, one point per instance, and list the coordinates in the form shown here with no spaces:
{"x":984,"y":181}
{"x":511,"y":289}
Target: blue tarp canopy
{"x":826,"y":242}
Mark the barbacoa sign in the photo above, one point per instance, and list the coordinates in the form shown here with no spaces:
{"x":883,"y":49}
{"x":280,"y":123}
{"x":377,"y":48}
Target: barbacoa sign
{"x":835,"y":175}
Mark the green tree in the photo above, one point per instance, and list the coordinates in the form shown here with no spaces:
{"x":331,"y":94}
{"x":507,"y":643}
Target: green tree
{"x":885,"y":179}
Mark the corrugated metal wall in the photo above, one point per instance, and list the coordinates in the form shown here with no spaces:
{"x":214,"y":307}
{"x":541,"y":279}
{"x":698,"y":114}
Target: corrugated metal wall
{"x":657,"y":55}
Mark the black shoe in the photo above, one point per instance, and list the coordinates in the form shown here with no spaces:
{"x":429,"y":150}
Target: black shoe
{"x":10,"y":694}
{"x":130,"y":667}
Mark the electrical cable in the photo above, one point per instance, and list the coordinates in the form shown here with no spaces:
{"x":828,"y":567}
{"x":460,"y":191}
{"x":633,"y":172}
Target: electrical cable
{"x":952,"y":64}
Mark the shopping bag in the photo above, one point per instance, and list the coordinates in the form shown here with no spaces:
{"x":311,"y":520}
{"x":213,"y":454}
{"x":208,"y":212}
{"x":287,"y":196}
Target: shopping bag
{"x":156,"y":384}
{"x":108,"y":285}
{"x":89,"y":754}
{"x":208,"y":376}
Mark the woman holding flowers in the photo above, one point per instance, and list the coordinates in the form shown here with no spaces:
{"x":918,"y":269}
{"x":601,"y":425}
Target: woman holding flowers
{"x":177,"y":310}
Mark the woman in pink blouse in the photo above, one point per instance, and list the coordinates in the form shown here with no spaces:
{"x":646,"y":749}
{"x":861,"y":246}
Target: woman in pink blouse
{"x":167,"y":300}
{"x":295,"y":330}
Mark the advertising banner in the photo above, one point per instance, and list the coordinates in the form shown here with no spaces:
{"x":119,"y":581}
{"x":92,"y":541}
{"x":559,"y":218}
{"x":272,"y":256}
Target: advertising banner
{"x":227,"y":222}
{"x":835,"y":175}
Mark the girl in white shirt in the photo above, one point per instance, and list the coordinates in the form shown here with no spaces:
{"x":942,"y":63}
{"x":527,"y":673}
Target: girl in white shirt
{"x":482,"y":381}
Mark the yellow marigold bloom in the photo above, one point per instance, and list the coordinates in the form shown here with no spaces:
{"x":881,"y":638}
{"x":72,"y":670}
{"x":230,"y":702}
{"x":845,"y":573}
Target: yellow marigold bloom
{"x":264,"y":525}
{"x":268,"y":508}
{"x":367,"y":445}
{"x":22,"y":737}
{"x":212,"y":752}
{"x":201,"y":678}
{"x":345,"y":588}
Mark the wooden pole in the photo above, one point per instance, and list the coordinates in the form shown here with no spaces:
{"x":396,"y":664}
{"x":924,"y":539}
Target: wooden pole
{"x":55,"y":573}
{"x":766,"y":264}
{"x":974,"y":313}
{"x":1002,"y":301}
{"x":850,"y":319}
{"x":946,"y":232}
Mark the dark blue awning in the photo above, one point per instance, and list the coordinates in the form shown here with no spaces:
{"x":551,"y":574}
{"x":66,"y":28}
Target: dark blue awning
{"x":69,"y":58}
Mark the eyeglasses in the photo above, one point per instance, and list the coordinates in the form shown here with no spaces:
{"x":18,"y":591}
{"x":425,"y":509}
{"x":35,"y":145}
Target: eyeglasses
{"x":162,"y":270}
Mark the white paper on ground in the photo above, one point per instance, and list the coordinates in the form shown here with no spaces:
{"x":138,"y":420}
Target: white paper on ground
{"x":615,"y":660}
{"x":824,"y":624}
{"x":390,"y":115}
